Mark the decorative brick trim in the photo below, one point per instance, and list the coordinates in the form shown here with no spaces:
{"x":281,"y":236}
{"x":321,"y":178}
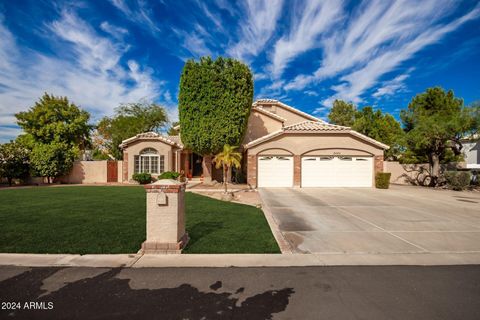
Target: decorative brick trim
{"x":125,"y":167}
{"x":378,"y":164}
{"x":156,"y":188}
{"x":297,"y":171}
{"x":252,"y":170}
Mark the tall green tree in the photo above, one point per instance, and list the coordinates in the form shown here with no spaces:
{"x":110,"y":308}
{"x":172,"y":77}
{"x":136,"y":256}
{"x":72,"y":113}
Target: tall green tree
{"x":435,"y":122}
{"x":129,"y":120}
{"x":56,"y":119}
{"x":55,"y":131}
{"x":14,"y":161}
{"x":382,"y":127}
{"x":342,"y":113}
{"x":215,"y":100}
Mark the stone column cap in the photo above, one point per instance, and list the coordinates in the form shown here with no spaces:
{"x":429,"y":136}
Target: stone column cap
{"x":165,"y":184}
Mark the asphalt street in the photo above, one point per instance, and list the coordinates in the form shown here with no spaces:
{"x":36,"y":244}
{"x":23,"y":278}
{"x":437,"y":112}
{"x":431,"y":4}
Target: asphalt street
{"x":397,"y":292}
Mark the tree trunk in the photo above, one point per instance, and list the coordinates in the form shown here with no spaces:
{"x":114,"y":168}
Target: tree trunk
{"x":434,"y":160}
{"x":9,"y":181}
{"x":207,"y":169}
{"x":225,"y":172}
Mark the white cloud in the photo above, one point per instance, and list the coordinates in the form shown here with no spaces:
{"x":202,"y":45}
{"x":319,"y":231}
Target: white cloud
{"x":313,"y":19}
{"x":216,"y":19}
{"x":8,"y":133}
{"x":114,"y":31}
{"x":194,"y":42}
{"x":257,"y":27}
{"x":379,"y":38}
{"x":391,"y":87}
{"x":87,"y":69}
{"x":140,"y":14}
{"x":311,"y":93}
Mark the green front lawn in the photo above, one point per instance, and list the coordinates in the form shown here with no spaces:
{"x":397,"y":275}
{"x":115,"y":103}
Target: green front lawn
{"x":112,"y":220}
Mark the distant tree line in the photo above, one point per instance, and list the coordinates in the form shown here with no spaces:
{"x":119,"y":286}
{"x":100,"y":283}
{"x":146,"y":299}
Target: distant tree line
{"x":56,"y":132}
{"x":431,"y":129}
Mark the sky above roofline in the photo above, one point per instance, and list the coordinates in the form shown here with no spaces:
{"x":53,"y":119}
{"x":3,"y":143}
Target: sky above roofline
{"x":304,"y":53}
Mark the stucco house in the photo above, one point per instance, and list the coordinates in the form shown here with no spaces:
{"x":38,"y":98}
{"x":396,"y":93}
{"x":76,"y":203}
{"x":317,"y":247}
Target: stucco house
{"x":282,"y":147}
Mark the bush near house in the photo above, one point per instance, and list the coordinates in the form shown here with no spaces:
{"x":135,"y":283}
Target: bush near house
{"x":169,"y":175}
{"x":142,"y":178}
{"x":382,"y":180}
{"x":458,"y":180}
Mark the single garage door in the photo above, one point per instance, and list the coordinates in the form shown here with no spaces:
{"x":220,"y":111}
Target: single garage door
{"x":275,"y":171}
{"x":337,"y":171}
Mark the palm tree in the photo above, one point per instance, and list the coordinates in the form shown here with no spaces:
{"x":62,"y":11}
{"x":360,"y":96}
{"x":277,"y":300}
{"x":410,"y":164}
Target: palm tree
{"x":229,"y":157}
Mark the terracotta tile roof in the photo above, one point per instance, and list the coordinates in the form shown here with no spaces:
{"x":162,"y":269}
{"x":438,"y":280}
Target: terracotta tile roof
{"x":152,"y":135}
{"x":310,"y":126}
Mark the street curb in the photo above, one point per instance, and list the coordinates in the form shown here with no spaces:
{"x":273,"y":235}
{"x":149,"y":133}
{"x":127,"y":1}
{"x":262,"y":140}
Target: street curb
{"x":237,"y":260}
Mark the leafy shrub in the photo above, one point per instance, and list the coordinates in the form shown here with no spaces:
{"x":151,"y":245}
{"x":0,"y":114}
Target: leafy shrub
{"x":240,"y":176}
{"x":382,"y":180}
{"x":142,"y":178}
{"x":458,"y":180}
{"x":169,"y":175}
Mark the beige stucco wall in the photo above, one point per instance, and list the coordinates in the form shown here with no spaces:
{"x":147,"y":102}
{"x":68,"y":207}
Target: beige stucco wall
{"x":87,"y":172}
{"x":312,"y":144}
{"x":291,"y":117}
{"x":260,"y":125}
{"x":119,"y":171}
{"x":402,"y":173}
{"x":164,"y":149}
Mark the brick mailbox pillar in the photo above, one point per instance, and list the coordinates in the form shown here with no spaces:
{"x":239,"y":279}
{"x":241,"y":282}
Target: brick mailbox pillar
{"x":165,"y":217}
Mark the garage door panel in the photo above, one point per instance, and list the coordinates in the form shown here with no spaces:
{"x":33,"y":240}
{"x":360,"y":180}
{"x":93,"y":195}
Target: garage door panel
{"x":336,"y":171}
{"x":275,"y":171}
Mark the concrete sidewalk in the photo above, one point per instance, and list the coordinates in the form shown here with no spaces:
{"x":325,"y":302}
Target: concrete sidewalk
{"x":236,"y":260}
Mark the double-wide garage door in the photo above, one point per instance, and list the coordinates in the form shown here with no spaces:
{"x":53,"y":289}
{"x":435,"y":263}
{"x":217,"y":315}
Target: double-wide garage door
{"x":317,"y":171}
{"x":337,"y":171}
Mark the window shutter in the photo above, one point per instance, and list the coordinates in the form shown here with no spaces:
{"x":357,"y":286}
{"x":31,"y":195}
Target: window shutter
{"x":136,"y":168}
{"x":162,"y":164}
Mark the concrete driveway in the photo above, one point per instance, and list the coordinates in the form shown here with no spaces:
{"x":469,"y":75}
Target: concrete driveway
{"x":402,"y":219}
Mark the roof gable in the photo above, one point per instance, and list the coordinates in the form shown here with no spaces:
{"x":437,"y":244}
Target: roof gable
{"x":171,"y":140}
{"x":286,"y":107}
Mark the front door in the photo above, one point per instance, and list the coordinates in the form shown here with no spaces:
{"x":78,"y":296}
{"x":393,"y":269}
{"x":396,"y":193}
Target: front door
{"x":196,"y":163}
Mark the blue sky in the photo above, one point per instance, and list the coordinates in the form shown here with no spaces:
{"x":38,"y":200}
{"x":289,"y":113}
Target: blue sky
{"x":305,"y":53}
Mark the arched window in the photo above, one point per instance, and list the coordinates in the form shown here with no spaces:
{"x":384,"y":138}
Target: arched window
{"x":149,"y":161}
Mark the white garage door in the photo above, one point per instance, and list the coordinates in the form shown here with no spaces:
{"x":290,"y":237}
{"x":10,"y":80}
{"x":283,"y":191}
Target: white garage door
{"x":337,"y":171}
{"x":275,"y":171}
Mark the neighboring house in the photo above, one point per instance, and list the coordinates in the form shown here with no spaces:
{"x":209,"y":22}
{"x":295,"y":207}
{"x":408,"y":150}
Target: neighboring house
{"x":471,"y":152}
{"x":283,"y":147}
